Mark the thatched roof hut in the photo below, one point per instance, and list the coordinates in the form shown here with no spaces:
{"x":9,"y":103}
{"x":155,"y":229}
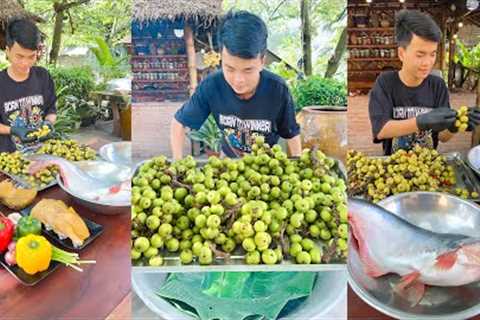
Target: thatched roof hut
{"x":203,"y":11}
{"x":195,"y":13}
{"x":8,"y":10}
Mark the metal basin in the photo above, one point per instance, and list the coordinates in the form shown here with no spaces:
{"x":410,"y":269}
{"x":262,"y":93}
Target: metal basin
{"x":473,"y":159}
{"x":117,"y":152}
{"x":437,"y":212}
{"x":327,"y":300}
{"x":107,"y":172}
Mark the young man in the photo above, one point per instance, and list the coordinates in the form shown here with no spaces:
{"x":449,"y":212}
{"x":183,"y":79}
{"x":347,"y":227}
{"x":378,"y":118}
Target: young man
{"x":411,"y":106}
{"x":245,"y":100}
{"x":27,"y":93}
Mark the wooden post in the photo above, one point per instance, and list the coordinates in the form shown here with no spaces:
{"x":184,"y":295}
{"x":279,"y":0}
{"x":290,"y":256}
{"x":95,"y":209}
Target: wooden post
{"x":442,"y":43}
{"x":451,"y":53}
{"x":192,"y":68}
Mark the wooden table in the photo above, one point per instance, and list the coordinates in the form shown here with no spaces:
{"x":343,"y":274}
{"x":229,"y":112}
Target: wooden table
{"x":358,"y":309}
{"x":117,"y":101}
{"x":66,"y":293}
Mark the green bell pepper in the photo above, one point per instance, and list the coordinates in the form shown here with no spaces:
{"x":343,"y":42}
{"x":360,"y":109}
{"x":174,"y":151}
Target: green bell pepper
{"x":28,"y":225}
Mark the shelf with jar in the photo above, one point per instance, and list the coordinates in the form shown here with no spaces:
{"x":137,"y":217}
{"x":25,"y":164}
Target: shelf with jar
{"x":372,"y":46}
{"x":372,"y":39}
{"x":151,"y":56}
{"x":160,"y":47}
{"x":160,"y":62}
{"x":372,"y":54}
{"x":158,"y":70}
{"x":370,"y":29}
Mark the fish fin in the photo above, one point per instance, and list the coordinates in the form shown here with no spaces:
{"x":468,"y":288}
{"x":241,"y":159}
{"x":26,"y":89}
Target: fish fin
{"x":359,"y":244}
{"x":114,"y":189}
{"x":414,"y":294}
{"x":410,"y":288}
{"x":407,"y":280}
{"x":446,"y":260}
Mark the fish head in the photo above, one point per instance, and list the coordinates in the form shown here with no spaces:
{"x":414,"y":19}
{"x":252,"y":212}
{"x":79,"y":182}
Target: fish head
{"x":360,"y":229}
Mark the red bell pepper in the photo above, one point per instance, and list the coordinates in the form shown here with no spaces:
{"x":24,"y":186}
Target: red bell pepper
{"x":7,"y":230}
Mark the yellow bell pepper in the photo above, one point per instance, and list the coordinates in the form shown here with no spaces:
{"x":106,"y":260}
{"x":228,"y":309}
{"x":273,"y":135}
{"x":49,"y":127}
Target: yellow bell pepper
{"x":33,"y":253}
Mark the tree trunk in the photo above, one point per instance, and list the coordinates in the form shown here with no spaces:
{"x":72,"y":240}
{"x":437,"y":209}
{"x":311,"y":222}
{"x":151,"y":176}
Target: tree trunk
{"x":477,"y":100}
{"x":192,"y":67}
{"x":57,"y":34}
{"x":451,"y":63}
{"x":335,"y":59}
{"x":60,"y":9}
{"x":306,"y":38}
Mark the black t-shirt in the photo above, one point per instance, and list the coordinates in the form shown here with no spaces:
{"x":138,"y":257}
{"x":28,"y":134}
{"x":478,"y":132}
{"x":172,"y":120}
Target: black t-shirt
{"x":25,"y":103}
{"x":391,"y":99}
{"x":270,"y":112}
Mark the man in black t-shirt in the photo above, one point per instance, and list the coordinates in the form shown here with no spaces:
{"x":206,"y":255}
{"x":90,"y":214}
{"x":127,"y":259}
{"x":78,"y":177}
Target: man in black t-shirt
{"x":411,"y":106}
{"x":245,"y":100}
{"x":27,"y":93}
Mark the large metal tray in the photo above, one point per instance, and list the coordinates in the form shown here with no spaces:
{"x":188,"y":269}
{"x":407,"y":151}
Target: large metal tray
{"x":473,"y":159}
{"x":24,"y":183}
{"x":236,"y":260}
{"x":466,"y":179}
{"x":436,"y":212}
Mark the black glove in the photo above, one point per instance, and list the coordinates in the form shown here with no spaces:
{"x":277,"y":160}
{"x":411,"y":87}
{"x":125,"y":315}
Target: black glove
{"x":22,"y":134}
{"x":437,"y":120}
{"x":50,"y":134}
{"x":473,"y":118}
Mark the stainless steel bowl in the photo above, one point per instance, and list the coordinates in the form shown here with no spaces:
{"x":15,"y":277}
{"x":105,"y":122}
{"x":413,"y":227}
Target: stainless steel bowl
{"x":117,"y":152}
{"x":107,"y":172}
{"x":473,"y":159}
{"x":437,"y":212}
{"x":327,"y":300}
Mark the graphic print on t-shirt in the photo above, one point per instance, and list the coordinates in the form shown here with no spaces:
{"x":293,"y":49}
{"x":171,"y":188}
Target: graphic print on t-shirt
{"x":423,"y":138}
{"x":240,"y":134}
{"x":24,"y":112}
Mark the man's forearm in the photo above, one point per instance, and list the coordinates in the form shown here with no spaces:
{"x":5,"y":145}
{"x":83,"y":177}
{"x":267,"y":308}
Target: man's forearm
{"x":398,"y":128}
{"x":445,"y":135}
{"x":5,"y":130}
{"x":177,"y":139}
{"x":294,"y":146}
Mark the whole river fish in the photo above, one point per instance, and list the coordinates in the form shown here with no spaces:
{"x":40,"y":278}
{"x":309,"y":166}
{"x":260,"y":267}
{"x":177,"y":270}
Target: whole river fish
{"x":79,"y":182}
{"x":388,"y":244}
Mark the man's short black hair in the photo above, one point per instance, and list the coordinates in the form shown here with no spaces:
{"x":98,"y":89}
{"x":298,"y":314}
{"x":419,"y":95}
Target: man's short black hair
{"x":243,"y":34}
{"x":410,"y":22}
{"x":24,"y":32}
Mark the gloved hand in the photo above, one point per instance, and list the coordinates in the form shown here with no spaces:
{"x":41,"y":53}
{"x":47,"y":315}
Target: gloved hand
{"x":50,"y":134}
{"x":437,"y":120}
{"x":473,"y":118}
{"x":22,"y":133}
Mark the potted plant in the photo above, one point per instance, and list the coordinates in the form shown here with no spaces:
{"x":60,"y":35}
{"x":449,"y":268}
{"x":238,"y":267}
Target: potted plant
{"x":322,"y":114}
{"x":210,"y":135}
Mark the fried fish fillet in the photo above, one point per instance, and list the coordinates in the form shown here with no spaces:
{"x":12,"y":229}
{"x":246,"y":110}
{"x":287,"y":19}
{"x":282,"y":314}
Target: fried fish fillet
{"x":63,"y":220}
{"x":16,"y":198}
